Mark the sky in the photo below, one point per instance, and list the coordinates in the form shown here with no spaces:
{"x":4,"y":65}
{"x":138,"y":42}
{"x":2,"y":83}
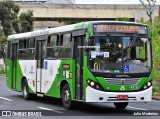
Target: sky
{"x":92,"y":1}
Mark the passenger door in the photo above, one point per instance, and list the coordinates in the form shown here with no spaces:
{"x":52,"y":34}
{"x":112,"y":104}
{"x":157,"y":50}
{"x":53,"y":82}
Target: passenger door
{"x":14,"y":58}
{"x":79,"y":37}
{"x":40,"y":56}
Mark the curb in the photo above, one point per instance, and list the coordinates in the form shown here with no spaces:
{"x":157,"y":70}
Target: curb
{"x":156,"y":98}
{"x":3,"y":75}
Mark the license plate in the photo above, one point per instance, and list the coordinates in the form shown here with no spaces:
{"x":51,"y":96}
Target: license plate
{"x":122,"y":97}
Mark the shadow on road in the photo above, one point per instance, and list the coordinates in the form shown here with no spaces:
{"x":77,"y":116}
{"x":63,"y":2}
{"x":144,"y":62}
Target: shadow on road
{"x":81,"y":109}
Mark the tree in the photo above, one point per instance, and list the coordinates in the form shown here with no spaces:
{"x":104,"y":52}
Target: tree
{"x":2,"y":48}
{"x":10,"y":21}
{"x":8,"y":14}
{"x":149,"y":9}
{"x":26,"y":20}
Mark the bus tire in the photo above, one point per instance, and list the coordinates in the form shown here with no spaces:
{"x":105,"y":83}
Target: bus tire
{"x":66,"y":97}
{"x":120,"y":105}
{"x":25,"y":91}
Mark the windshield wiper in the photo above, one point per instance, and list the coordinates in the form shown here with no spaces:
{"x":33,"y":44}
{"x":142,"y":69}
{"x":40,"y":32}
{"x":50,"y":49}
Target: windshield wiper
{"x":130,"y":46}
{"x":133,"y":41}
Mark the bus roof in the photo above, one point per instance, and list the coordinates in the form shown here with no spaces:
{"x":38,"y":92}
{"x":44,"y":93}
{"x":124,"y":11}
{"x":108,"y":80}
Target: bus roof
{"x":65,"y":29}
{"x":43,"y":32}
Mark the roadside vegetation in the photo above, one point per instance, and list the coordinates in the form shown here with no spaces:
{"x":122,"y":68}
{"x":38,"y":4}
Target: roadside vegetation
{"x":156,"y":56}
{"x":12,"y":22}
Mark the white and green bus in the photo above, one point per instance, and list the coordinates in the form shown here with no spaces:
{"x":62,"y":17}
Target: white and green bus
{"x":95,"y":61}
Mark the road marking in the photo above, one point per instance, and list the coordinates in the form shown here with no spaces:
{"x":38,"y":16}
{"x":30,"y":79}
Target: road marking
{"x":136,"y":108}
{"x":5,"y":99}
{"x":50,"y":109}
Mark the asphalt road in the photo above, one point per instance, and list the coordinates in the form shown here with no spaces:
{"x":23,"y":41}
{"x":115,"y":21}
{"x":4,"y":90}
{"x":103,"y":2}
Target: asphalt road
{"x":12,"y":100}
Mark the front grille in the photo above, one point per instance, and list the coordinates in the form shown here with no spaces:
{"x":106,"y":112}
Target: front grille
{"x":122,"y":81}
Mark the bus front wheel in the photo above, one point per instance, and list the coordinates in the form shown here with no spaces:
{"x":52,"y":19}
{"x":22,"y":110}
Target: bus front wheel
{"x":120,"y":105}
{"x":25,"y":91}
{"x":66,"y":97}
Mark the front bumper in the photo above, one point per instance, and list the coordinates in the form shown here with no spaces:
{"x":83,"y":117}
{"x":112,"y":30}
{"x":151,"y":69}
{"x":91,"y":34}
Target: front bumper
{"x":93,"y":95}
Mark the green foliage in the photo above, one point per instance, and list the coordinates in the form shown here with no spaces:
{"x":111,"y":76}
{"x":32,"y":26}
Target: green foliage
{"x":156,"y":54}
{"x":122,"y":19}
{"x":26,"y":21}
{"x":16,"y":25}
{"x":1,"y":31}
{"x":8,"y":13}
{"x":10,"y":21}
{"x":3,"y":40}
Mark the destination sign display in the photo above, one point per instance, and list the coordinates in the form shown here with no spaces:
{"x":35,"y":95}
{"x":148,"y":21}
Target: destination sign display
{"x":120,"y":28}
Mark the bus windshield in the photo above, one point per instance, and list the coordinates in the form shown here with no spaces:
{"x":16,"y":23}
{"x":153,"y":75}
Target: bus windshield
{"x":120,"y":54}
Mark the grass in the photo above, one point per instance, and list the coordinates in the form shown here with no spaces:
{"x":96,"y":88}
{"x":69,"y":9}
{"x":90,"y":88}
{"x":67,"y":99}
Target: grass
{"x":156,"y":81}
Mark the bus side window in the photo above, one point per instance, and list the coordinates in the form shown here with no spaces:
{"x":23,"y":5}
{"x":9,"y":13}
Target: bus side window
{"x":65,"y":46}
{"x":9,"y":50}
{"x":31,"y":43}
{"x":31,"y":49}
{"x":22,"y":44}
{"x":61,"y":40}
{"x":22,"y":49}
{"x":52,"y":47}
{"x":52,"y":41}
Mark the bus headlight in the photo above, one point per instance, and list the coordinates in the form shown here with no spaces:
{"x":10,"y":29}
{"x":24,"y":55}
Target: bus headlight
{"x":94,"y":85}
{"x":149,"y":84}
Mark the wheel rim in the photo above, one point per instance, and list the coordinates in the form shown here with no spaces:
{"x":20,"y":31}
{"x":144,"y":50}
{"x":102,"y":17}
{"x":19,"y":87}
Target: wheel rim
{"x":66,"y":96}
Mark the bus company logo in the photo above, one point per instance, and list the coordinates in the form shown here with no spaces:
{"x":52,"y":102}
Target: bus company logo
{"x":6,"y":113}
{"x":122,"y":87}
{"x":122,"y":82}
